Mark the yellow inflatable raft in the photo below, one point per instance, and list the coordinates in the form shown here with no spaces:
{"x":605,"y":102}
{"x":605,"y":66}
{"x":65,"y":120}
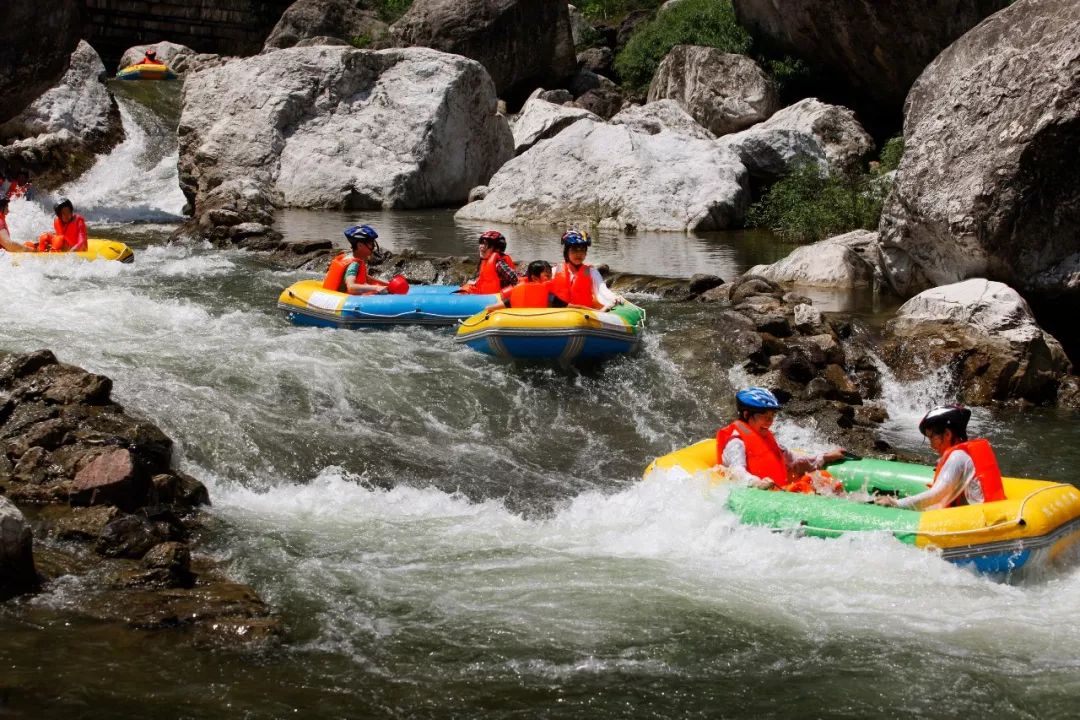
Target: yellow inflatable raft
{"x":1037,"y":524}
{"x":97,"y":249}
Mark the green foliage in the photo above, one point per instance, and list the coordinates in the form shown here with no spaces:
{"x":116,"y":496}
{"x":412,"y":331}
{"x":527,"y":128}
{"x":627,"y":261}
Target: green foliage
{"x":891,"y":154}
{"x":710,"y":23}
{"x":391,"y":10}
{"x":360,"y":41}
{"x":614,"y":9}
{"x":810,"y":204}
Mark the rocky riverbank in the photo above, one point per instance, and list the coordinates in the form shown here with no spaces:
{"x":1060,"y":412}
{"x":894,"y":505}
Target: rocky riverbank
{"x":89,"y":497}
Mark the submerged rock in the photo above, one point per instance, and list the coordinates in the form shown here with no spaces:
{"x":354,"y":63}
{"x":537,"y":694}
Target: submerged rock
{"x":985,"y":332}
{"x":17,"y":574}
{"x":59,"y":135}
{"x":724,"y":92}
{"x":523,"y":44}
{"x":989,"y":185}
{"x":336,"y":127}
{"x":609,"y":176}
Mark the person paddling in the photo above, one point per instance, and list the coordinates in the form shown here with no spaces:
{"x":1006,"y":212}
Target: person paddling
{"x":967,"y":471}
{"x":747,"y":449}
{"x":348,"y":272}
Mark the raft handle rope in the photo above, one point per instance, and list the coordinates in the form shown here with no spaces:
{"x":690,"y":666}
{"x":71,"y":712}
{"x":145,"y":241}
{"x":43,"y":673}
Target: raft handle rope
{"x":552,"y":311}
{"x":1018,"y":521}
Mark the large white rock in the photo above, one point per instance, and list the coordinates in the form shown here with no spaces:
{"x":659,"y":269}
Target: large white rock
{"x":722,"y":91}
{"x":809,"y":130}
{"x":843,"y":261}
{"x":540,"y":119}
{"x":77,"y":117}
{"x":661,"y":116}
{"x":336,"y":127}
{"x":985,"y":332}
{"x":610,"y":176}
{"x":16,"y":551}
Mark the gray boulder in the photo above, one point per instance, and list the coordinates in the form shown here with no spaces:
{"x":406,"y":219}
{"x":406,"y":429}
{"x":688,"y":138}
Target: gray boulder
{"x":523,"y":44}
{"x":59,"y":134}
{"x":722,"y":91}
{"x":597,"y":60}
{"x":809,"y":130}
{"x":580,"y":29}
{"x":989,"y":184}
{"x":661,"y":116}
{"x":985,"y":332}
{"x":844,"y":261}
{"x":17,"y":574}
{"x":540,"y":120}
{"x":875,"y":48}
{"x":37,"y":39}
{"x":336,"y":127}
{"x":609,"y":176}
{"x":309,"y":19}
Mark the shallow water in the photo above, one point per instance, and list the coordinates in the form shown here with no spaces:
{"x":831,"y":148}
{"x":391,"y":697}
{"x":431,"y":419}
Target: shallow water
{"x":449,"y":536}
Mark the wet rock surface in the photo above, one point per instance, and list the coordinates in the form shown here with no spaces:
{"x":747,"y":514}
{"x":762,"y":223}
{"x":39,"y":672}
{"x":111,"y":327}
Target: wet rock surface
{"x":310,"y":19}
{"x":104,"y":504}
{"x":843,"y":261}
{"x":38,"y":39}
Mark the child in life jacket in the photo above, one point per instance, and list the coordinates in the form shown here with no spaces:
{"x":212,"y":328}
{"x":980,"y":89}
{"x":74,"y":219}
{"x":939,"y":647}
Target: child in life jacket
{"x":496,"y":267}
{"x":750,"y":453}
{"x":533,"y":292}
{"x":69,"y":231}
{"x":967,"y":471}
{"x":5,"y":236}
{"x":150,"y":58}
{"x":348,"y":272}
{"x":577,"y":284}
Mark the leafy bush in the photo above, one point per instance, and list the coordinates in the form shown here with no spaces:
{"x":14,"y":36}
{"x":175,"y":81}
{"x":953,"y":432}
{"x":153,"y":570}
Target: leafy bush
{"x":891,"y":154}
{"x":391,"y":10}
{"x":614,"y":9}
{"x":811,"y":204}
{"x":710,"y":23}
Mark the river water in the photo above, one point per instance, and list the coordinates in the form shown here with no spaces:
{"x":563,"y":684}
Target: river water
{"x":449,"y":536}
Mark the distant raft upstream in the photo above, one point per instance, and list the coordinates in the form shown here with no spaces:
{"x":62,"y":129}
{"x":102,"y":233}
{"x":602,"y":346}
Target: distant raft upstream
{"x":309,"y":303}
{"x":1036,"y":525}
{"x":146,"y":71}
{"x":563,"y":334}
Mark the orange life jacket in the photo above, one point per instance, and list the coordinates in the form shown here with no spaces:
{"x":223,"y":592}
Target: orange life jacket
{"x":64,"y":238}
{"x":574,"y":287}
{"x":147,"y":60}
{"x":488,"y":282}
{"x":335,"y":275}
{"x":528,"y":294}
{"x":987,"y":473}
{"x":764,"y":458}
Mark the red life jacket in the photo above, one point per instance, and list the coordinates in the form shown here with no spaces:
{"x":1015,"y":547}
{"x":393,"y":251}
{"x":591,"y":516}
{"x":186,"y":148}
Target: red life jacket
{"x":64,"y":238}
{"x":488,"y":282}
{"x":574,"y":287}
{"x":764,"y":458}
{"x":528,"y":294}
{"x":335,"y":274}
{"x":987,"y":473}
{"x":147,"y":60}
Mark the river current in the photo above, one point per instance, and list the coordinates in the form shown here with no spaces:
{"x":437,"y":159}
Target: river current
{"x":445,"y":535}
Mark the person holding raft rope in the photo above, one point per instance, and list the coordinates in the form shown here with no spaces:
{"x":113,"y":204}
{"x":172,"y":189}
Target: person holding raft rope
{"x":747,"y":450}
{"x":967,"y":472}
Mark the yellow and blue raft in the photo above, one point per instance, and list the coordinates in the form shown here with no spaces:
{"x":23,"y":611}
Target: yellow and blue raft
{"x":97,"y":249}
{"x":146,"y":71}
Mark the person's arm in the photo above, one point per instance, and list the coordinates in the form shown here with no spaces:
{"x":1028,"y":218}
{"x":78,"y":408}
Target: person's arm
{"x":954,"y":476}
{"x":603,"y":293}
{"x":354,"y":288}
{"x":801,"y":464}
{"x":80,"y":234}
{"x":734,"y":462}
{"x":501,"y":303}
{"x":7,"y":243}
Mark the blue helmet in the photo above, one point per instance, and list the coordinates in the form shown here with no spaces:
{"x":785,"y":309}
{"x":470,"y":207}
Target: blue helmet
{"x":572,"y":238}
{"x":756,"y":398}
{"x":361,"y":233}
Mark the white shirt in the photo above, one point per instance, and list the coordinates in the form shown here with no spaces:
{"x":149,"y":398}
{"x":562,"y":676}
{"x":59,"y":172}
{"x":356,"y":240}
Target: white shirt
{"x":734,"y":461}
{"x":955,"y":477}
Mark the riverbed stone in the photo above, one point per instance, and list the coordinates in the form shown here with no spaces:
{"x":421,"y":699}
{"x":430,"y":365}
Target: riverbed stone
{"x":17,"y":574}
{"x":989,"y":184}
{"x":843,"y":261}
{"x":540,"y":120}
{"x":661,"y":116}
{"x":523,"y":44}
{"x":724,"y":92}
{"x":336,"y":127}
{"x":59,"y":135}
{"x":109,"y":479}
{"x":986,"y":333}
{"x":309,"y":19}
{"x":609,"y":176}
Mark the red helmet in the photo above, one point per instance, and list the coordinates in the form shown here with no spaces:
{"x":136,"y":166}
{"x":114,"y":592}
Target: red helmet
{"x":494,"y":239}
{"x":398,"y":285}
